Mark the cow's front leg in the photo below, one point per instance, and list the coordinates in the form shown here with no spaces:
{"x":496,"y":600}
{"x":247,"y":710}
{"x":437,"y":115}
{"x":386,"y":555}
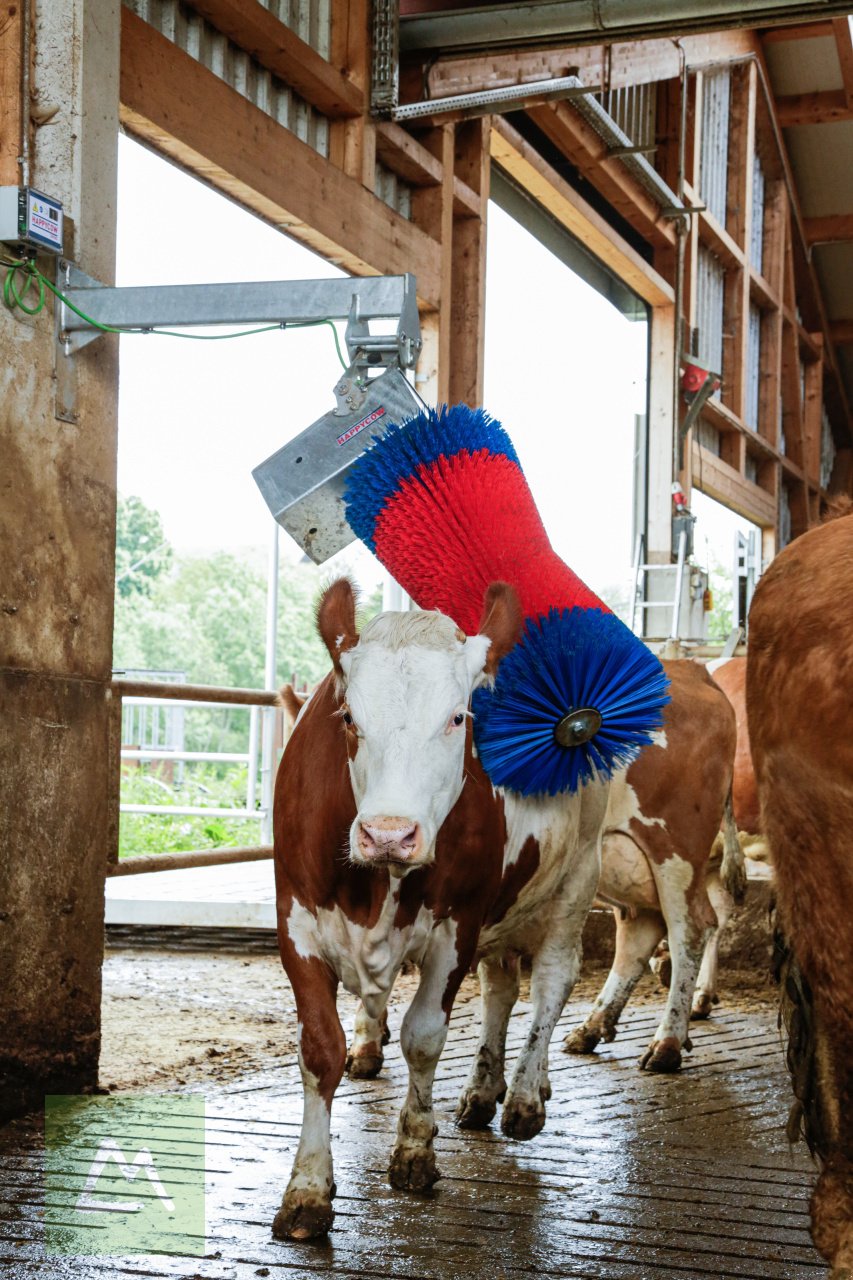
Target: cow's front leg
{"x":690,"y":919}
{"x":422,"y":1038}
{"x":306,"y":1210}
{"x":554,"y":972}
{"x":486,"y":1086}
{"x":636,"y":938}
{"x":365,"y":1057}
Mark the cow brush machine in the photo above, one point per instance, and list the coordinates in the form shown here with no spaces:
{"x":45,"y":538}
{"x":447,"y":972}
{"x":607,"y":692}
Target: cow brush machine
{"x":442,"y":502}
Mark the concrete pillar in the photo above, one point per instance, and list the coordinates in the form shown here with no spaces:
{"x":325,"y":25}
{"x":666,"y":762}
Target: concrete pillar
{"x":57,"y":524}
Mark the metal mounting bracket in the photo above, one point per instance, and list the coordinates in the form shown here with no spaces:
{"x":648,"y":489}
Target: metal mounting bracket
{"x":141,"y":309}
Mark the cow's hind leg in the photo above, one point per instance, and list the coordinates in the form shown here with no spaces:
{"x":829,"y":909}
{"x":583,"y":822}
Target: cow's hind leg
{"x":422,"y":1037}
{"x":486,"y":1085}
{"x":306,"y":1210}
{"x":705,"y":996}
{"x":365,"y":1057}
{"x":636,"y":938}
{"x":690,"y":920}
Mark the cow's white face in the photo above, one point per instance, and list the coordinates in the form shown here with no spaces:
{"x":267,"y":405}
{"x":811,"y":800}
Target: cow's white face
{"x":405,"y":685}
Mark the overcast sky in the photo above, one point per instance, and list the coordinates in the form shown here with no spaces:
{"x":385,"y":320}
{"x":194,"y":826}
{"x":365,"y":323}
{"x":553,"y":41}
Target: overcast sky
{"x":565,"y":373}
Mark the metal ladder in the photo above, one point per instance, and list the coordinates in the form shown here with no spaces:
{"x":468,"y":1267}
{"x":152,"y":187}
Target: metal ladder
{"x":639,"y":575}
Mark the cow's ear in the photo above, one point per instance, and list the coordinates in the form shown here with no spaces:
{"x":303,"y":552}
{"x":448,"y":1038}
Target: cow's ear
{"x":336,"y":620}
{"x":501,"y":623}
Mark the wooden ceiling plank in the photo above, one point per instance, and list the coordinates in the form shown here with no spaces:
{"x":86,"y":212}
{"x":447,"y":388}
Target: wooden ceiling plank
{"x":805,"y":31}
{"x":813,"y":108}
{"x":186,"y":112}
{"x":281,"y":51}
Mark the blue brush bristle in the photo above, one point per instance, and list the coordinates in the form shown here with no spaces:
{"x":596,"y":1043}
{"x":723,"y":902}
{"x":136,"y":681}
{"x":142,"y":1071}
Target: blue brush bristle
{"x":396,"y":455}
{"x":570,"y":659}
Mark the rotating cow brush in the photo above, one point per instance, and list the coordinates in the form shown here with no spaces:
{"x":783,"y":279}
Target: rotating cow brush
{"x":444,"y":505}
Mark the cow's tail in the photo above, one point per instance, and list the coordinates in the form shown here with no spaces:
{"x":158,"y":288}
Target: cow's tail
{"x":733,"y":866}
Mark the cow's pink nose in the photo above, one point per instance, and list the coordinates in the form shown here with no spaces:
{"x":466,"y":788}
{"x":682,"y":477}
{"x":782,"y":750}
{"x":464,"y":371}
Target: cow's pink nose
{"x":381,"y":838}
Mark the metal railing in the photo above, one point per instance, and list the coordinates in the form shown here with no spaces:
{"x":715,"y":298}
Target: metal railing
{"x":264,"y":708}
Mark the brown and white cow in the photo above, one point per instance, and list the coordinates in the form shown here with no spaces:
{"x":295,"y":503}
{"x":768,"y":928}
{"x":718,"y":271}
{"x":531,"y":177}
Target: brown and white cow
{"x":800,"y":707}
{"x":662,"y":821}
{"x":391,"y":845}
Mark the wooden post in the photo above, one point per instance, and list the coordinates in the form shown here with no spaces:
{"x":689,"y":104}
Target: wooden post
{"x":468,"y":285}
{"x":352,"y":142}
{"x":432,"y":211}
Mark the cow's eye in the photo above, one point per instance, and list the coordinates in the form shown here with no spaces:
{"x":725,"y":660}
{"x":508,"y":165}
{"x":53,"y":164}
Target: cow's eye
{"x":459,"y":718}
{"x":347,"y":718}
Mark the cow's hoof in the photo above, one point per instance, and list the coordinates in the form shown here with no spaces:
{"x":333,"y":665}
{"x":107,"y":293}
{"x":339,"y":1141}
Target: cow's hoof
{"x":662,"y":1055}
{"x":303,"y":1216}
{"x":522,"y":1120}
{"x":364,"y":1066}
{"x":702,"y":1006}
{"x":581,"y":1040}
{"x":413,"y":1169}
{"x":475,"y":1110}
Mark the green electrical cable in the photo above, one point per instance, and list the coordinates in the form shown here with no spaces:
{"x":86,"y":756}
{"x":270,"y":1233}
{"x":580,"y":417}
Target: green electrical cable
{"x":14,"y":300}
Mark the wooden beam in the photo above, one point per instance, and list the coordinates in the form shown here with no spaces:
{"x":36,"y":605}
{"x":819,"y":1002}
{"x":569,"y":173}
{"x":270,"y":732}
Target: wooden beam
{"x":630,"y":63}
{"x":831,"y":229}
{"x":432,"y":210}
{"x":813,"y":108}
{"x":844,"y":47}
{"x":11,"y":106}
{"x":841,"y":332}
{"x":352,"y":142}
{"x":714,"y":476}
{"x":471,"y":166}
{"x":184,"y":111}
{"x":281,"y":51}
{"x":580,"y":143}
{"x":525,"y":165}
{"x":406,"y":156}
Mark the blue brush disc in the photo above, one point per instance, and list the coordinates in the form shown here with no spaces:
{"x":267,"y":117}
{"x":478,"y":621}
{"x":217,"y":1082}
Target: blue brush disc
{"x":581,"y":661}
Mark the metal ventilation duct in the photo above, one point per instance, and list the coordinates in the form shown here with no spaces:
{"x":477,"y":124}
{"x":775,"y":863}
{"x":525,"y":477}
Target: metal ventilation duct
{"x":594,"y":21}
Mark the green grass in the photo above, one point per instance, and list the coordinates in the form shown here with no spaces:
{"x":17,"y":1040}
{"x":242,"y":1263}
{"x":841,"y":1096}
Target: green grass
{"x":219,"y":786}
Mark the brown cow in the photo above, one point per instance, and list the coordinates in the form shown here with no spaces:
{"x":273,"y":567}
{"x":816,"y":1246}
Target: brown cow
{"x":392,"y":845}
{"x":800,"y":704}
{"x":662,"y":821}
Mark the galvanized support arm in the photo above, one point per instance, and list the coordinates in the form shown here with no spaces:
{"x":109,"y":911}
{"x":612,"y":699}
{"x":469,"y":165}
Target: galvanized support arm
{"x":356,"y":300}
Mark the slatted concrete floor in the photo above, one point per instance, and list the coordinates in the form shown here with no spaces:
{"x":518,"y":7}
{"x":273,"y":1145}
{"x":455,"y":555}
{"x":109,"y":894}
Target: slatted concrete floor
{"x":635,"y":1176}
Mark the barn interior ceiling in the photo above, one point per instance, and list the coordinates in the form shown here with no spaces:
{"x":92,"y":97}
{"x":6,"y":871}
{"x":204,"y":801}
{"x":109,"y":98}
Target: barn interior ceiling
{"x":807,"y":65}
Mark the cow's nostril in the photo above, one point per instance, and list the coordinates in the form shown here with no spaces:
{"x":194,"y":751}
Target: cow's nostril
{"x":389,"y":837}
{"x":410,"y":839}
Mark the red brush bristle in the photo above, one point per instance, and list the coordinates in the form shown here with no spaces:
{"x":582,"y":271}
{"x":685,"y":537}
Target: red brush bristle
{"x":465,"y":521}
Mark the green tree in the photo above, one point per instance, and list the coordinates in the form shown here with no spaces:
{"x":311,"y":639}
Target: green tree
{"x":142,"y":553}
{"x":722,"y":612}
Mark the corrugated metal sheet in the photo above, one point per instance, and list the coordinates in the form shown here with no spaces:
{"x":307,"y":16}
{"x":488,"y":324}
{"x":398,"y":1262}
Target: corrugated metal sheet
{"x":708,"y":436}
{"x":784,"y":517}
{"x":710,"y":288}
{"x":753,"y":366}
{"x":756,"y":238}
{"x":714,"y":160}
{"x":827,"y":450}
{"x":312,"y":22}
{"x":392,"y":191}
{"x":750,"y":469}
{"x":237,"y":68}
{"x":310,"y":19}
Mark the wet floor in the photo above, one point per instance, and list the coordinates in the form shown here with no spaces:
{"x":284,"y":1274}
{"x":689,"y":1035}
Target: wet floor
{"x":634,"y":1176}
